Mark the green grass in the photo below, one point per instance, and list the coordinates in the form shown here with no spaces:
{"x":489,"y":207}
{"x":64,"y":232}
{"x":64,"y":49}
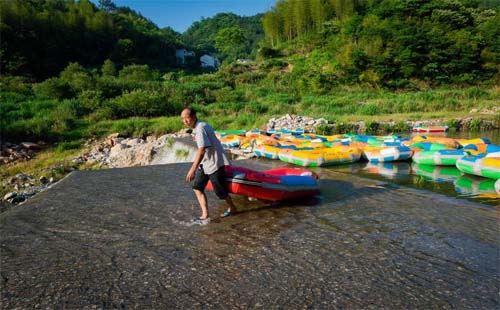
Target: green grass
{"x":66,"y":125}
{"x":53,"y":162}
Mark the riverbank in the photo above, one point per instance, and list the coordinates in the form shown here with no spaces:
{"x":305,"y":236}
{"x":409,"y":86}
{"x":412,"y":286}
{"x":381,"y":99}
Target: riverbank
{"x":41,"y":165}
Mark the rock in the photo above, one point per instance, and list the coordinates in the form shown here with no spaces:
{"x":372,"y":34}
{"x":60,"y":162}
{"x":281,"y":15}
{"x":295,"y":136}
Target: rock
{"x":43,"y":179}
{"x":30,"y":145}
{"x":185,"y":132}
{"x":293,"y":122}
{"x":30,"y":193}
{"x":113,"y":139}
{"x":117,"y":149}
{"x":9,"y":196}
{"x":133,"y":142}
{"x":17,"y":199}
{"x":79,"y":160}
{"x":21,"y":177}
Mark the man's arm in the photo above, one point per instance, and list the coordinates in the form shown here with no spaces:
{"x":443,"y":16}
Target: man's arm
{"x":197,"y":160}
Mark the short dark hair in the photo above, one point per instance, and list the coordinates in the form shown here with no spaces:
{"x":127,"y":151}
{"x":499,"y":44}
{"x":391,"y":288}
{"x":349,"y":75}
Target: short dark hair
{"x":192,"y":112}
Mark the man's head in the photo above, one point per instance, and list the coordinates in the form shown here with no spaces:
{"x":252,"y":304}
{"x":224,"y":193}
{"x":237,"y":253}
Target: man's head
{"x":189,"y":117}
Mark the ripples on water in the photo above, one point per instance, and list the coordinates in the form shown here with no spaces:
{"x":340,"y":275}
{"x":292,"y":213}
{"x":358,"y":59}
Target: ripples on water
{"x":362,"y":244}
{"x":447,"y":180}
{"x":384,"y":237}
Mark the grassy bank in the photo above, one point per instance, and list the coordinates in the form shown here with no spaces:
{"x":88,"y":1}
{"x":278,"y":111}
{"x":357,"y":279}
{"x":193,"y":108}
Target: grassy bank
{"x":33,"y":112}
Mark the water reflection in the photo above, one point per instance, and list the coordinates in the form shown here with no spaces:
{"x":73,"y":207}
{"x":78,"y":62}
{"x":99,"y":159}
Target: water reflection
{"x":436,"y":173}
{"x":438,"y":179}
{"x":390,"y":170}
{"x":469,"y":185}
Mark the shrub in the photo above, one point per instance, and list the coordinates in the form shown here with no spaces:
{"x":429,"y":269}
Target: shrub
{"x":63,"y":117}
{"x":110,"y":87}
{"x":53,"y":88}
{"x":138,"y":74}
{"x":267,"y":52}
{"x":101,"y":114}
{"x":475,"y":124}
{"x":77,"y":77}
{"x":344,"y":128}
{"x":140,"y":103}
{"x":323,"y":129}
{"x":496,"y":120}
{"x":12,"y":97}
{"x":401,"y":126}
{"x":108,"y":68}
{"x":15,"y":84}
{"x":453,"y":124}
{"x":90,"y":100}
{"x":371,"y":127}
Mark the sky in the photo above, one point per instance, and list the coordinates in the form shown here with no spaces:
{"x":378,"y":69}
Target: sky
{"x":180,"y":14}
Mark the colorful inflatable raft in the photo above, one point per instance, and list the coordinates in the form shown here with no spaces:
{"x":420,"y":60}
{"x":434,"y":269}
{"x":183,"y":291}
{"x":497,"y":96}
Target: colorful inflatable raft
{"x":484,"y":165}
{"x":321,"y":157}
{"x":440,"y":157}
{"x":273,"y":185}
{"x":229,"y":141}
{"x":429,"y":129}
{"x":384,"y":154}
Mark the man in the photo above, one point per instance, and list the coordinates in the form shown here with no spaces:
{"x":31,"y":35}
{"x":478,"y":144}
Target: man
{"x":208,"y":164}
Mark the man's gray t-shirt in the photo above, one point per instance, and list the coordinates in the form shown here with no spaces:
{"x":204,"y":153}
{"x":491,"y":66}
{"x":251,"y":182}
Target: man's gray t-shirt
{"x":215,"y":157}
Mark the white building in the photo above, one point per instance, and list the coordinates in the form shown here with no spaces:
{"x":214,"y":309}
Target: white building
{"x":208,"y":61}
{"x":181,"y":55}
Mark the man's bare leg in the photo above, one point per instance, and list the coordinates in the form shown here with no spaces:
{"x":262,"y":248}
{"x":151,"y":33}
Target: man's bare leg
{"x":202,"y":199}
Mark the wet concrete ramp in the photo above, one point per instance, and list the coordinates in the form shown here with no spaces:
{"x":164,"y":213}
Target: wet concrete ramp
{"x":122,"y":238}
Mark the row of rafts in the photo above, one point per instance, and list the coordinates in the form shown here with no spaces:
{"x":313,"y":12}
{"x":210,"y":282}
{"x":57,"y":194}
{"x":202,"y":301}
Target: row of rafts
{"x":465,"y":156}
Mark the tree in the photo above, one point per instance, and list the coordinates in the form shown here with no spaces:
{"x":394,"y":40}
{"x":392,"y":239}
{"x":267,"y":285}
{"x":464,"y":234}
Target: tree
{"x":272,"y":29}
{"x":230,"y":40}
{"x":108,"y":68}
{"x":107,"y":5}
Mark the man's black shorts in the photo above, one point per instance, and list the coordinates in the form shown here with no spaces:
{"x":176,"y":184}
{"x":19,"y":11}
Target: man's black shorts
{"x":217,"y":179}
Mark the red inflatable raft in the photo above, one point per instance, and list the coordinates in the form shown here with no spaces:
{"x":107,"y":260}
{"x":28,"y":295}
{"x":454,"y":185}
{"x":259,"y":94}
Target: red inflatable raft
{"x":429,"y":129}
{"x":273,"y":185}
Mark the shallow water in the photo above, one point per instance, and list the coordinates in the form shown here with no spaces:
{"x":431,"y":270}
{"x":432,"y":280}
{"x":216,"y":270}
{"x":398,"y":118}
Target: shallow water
{"x":122,"y":238}
{"x":447,"y":180}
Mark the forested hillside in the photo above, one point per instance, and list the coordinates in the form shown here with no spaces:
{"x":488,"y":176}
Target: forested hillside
{"x":388,"y":42}
{"x":226,"y":35}
{"x":71,"y":70}
{"x":41,"y":37}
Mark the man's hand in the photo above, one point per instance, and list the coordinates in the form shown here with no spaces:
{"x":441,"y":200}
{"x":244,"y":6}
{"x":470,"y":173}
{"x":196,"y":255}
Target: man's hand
{"x":190,"y":175}
{"x":197,"y":160}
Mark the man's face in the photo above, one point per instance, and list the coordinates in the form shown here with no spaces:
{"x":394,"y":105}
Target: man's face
{"x":187,"y":119}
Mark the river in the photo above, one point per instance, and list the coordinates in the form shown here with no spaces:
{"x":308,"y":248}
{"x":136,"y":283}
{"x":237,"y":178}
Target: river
{"x":122,"y":238}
